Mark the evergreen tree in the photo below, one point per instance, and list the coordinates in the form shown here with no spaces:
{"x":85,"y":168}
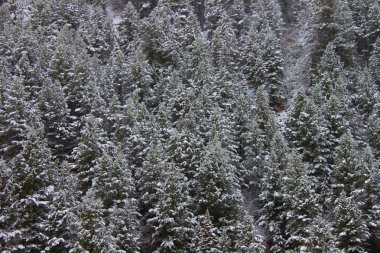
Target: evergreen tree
{"x":373,"y":133}
{"x":92,"y":144}
{"x":249,"y":238}
{"x":349,"y":226}
{"x":32,"y":172}
{"x":308,"y":133}
{"x":128,"y":27}
{"x":269,"y":15}
{"x":55,"y":117}
{"x":62,"y":215}
{"x":264,"y":118}
{"x":347,"y":175}
{"x":140,"y":76}
{"x":272,"y":195}
{"x":374,"y":62}
{"x":216,"y":185}
{"x":14,"y":118}
{"x":208,"y":236}
{"x":173,"y":222}
{"x":300,"y":205}
{"x":150,"y":178}
{"x":98,"y":34}
{"x":344,"y":31}
{"x":329,"y":73}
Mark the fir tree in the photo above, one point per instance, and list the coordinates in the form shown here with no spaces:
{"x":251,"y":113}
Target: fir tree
{"x":32,"y":171}
{"x":128,"y":27}
{"x":300,"y":205}
{"x":216,"y":184}
{"x":349,"y":226}
{"x":272,"y":195}
{"x":249,"y":238}
{"x":173,"y":222}
{"x":208,"y":236}
{"x":14,"y":118}
{"x":92,"y":143}
{"x":374,"y":62}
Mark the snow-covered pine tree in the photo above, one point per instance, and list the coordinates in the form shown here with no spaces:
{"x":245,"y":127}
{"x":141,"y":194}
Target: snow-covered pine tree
{"x":140,"y":76}
{"x":172,"y":219}
{"x":15,"y":109}
{"x":329,"y":74}
{"x":128,"y":27}
{"x":216,"y":184}
{"x":347,"y":174}
{"x":374,"y":132}
{"x":374,"y":62}
{"x":300,"y":205}
{"x":55,"y":117}
{"x":208,"y":239}
{"x":250,"y":241}
{"x":307,"y":132}
{"x":348,"y":225}
{"x":344,"y":31}
{"x":98,"y":33}
{"x":32,"y":169}
{"x":114,"y":186}
{"x":264,"y":117}
{"x":272,"y":195}
{"x":93,"y":142}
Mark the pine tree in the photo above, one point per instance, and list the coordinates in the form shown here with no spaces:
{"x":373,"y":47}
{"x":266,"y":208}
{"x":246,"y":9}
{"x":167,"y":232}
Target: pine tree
{"x":117,"y":70}
{"x":173,"y":222}
{"x":185,"y":149}
{"x":55,"y":117}
{"x":128,"y":27}
{"x":208,"y":236}
{"x":14,"y":118}
{"x":263,"y":64}
{"x":329,"y":73}
{"x":62,"y":214}
{"x":269,"y":15}
{"x":150,"y":178}
{"x":349,"y":226}
{"x":216,"y":184}
{"x":114,"y":188}
{"x":249,"y":238}
{"x":347,"y":174}
{"x":373,"y":132}
{"x":272,"y":195}
{"x":140,"y":76}
{"x":374,"y":62}
{"x":264,"y":118}
{"x":344,"y":31}
{"x":300,"y":205}
{"x":98,"y":34}
{"x":308,"y":133}
{"x":92,"y":144}
{"x":32,"y":179}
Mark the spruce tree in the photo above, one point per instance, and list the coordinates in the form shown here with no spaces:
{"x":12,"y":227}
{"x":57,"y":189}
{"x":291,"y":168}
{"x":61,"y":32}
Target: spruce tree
{"x":216,"y":185}
{"x":208,"y":236}
{"x":300,"y":205}
{"x":92,"y":144}
{"x":349,"y":226}
{"x":272,"y":195}
{"x":32,"y":179}
{"x":173,"y":221}
{"x":128,"y":27}
{"x":374,"y":62}
{"x":15,"y":110}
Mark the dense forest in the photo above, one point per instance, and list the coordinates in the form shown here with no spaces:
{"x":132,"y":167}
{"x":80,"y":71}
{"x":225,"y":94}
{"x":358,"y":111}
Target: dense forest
{"x":200,"y":126}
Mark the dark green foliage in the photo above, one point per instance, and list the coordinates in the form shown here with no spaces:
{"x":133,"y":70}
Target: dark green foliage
{"x":169,"y":126}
